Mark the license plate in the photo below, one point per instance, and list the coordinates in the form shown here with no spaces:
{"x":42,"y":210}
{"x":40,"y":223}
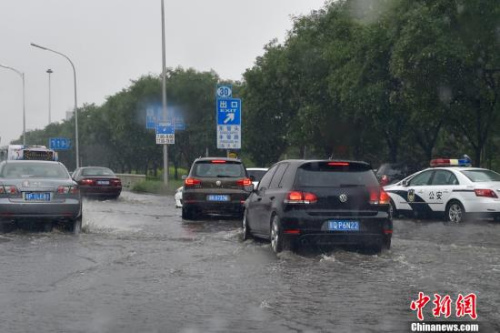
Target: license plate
{"x":339,"y":225}
{"x":217,"y":197}
{"x":36,"y":196}
{"x":103,"y":182}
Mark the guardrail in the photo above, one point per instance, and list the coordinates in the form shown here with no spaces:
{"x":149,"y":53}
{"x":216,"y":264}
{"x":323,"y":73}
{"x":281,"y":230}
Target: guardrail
{"x":129,"y":180}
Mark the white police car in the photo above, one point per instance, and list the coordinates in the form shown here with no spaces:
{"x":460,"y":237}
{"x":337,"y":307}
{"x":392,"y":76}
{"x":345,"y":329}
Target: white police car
{"x":451,"y":188}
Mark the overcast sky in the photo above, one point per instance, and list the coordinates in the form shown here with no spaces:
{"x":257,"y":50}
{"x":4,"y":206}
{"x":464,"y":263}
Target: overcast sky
{"x":114,"y":41}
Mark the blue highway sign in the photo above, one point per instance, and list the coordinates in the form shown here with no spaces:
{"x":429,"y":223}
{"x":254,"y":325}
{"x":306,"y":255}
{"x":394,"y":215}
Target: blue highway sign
{"x":59,"y":143}
{"x":229,"y":111}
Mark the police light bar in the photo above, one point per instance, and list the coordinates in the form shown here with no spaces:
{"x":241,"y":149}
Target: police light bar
{"x":441,"y":162}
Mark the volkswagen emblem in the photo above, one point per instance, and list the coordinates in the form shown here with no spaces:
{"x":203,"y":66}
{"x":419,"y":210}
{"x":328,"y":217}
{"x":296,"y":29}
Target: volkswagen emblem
{"x":343,"y":197}
{"x":218,"y":183}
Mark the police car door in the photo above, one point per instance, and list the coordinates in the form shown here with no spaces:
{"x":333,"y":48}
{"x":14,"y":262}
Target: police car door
{"x":418,"y":192}
{"x":442,"y":184}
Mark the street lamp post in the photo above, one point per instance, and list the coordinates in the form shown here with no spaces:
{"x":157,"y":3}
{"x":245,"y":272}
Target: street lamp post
{"x":50,"y":71}
{"x":21,"y":74}
{"x":164,"y":92}
{"x":76,"y":101}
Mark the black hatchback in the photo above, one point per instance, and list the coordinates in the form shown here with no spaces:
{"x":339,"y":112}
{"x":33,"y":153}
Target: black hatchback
{"x":215,"y":186}
{"x":319,"y":201}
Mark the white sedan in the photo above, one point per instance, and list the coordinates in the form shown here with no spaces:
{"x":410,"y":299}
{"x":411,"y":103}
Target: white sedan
{"x":452,"y":191}
{"x":256,"y":175}
{"x":178,"y":197}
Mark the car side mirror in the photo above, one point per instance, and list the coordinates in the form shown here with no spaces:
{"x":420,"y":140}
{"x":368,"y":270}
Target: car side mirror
{"x":252,"y":178}
{"x":184,"y":177}
{"x":405,"y":183}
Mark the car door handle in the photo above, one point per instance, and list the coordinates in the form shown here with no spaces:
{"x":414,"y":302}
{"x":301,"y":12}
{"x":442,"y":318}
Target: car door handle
{"x":259,"y":199}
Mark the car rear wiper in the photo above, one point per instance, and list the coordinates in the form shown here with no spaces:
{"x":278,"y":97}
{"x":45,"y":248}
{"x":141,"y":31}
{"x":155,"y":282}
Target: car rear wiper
{"x":351,"y":185}
{"x":223,"y":176}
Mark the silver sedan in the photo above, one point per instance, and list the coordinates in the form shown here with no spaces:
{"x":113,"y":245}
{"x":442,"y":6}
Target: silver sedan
{"x":40,"y":191}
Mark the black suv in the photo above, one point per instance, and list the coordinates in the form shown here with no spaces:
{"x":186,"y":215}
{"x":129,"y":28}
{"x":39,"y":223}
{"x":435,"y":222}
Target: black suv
{"x":215,"y":186}
{"x":321,"y":201}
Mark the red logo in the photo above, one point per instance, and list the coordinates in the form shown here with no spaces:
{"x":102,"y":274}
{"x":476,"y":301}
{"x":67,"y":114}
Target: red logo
{"x":464,"y":305}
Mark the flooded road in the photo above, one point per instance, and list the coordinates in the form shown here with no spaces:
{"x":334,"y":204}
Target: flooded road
{"x":139,"y":268}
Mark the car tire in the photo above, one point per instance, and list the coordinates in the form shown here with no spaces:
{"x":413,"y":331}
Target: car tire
{"x":279,"y":242}
{"x":187,"y":214}
{"x":455,"y":212}
{"x":48,"y":226}
{"x":245,"y":234}
{"x":386,"y":242}
{"x":75,"y":226}
{"x":393,"y":212}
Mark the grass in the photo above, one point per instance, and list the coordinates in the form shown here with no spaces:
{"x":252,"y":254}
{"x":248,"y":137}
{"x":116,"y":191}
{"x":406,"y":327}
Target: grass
{"x":157,"y":186}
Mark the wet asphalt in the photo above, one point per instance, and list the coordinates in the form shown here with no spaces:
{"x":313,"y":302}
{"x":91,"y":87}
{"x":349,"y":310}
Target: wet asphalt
{"x":137,"y":267}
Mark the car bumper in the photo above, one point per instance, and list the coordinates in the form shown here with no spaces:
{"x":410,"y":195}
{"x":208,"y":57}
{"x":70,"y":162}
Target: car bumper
{"x":69,"y":209}
{"x":100,"y":191}
{"x":303,"y":226}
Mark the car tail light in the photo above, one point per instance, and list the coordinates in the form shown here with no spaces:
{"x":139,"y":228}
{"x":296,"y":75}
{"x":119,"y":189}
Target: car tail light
{"x":218,"y":161}
{"x":338,"y":163}
{"x":68,"y":190}
{"x":485,"y":193}
{"x":244,"y":182}
{"x":116,"y":182}
{"x":8,"y":189}
{"x":298,"y":197}
{"x":87,"y":181}
{"x":192,"y":182}
{"x":379,"y":197}
{"x":292,"y":231}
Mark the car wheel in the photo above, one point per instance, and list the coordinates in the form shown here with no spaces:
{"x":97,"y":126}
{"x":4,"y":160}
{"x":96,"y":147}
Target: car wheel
{"x":455,"y":212}
{"x":393,"y":212}
{"x":246,"y":234}
{"x":386,"y":243}
{"x":278,"y":241}
{"x":75,"y":226}
{"x":47,"y":226}
{"x":187,"y":214}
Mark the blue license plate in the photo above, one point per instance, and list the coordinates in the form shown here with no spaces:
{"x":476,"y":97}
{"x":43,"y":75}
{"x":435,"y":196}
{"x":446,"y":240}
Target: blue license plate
{"x":217,"y":197}
{"x":340,"y":225}
{"x":37,"y":196}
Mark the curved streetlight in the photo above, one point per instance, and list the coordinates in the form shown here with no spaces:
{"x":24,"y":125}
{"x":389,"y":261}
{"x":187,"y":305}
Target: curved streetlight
{"x":21,"y":74}
{"x":76,"y":103}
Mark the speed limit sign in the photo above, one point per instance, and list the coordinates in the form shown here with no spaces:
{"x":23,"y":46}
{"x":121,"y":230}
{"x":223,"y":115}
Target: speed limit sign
{"x":224,"y":91}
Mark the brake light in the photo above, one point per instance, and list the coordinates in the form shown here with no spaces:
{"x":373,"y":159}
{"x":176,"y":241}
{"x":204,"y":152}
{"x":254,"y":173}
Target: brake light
{"x":8,"y":189}
{"x":379,"y":197}
{"x":192,"y":182}
{"x":298,"y":197}
{"x":338,"y":163}
{"x":68,"y":190}
{"x":485,"y":193}
{"x":218,"y":161}
{"x":244,"y":182}
{"x":116,"y":182}
{"x":87,"y":181}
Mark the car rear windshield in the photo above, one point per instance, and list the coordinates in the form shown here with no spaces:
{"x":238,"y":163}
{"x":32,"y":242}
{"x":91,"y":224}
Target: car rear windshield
{"x":482,"y":175}
{"x":335,"y":174}
{"x":97,"y":172}
{"x":33,"y":170}
{"x":218,"y":169}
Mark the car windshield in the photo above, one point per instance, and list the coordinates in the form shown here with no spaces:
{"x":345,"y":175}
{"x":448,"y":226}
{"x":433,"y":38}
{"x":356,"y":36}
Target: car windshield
{"x":478,"y":176}
{"x":218,"y":170}
{"x":325,"y":176}
{"x":33,"y":170}
{"x":97,"y":172}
